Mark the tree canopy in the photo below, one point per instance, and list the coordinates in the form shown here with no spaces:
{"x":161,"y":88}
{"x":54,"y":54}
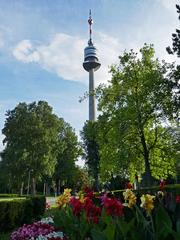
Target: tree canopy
{"x":35,"y":141}
{"x":175,"y":38}
{"x":135,"y":108}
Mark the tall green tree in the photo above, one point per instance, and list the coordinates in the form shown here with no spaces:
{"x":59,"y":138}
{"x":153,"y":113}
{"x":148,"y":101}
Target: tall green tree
{"x":91,"y":149}
{"x":135,"y":106}
{"x":70,"y":150}
{"x":31,"y":133}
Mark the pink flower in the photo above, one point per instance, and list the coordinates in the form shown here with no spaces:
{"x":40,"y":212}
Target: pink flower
{"x":32,"y":230}
{"x":47,"y":205}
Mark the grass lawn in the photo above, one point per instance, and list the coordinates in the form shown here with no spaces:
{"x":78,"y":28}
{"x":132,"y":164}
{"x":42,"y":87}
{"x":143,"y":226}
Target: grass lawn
{"x":10,"y":199}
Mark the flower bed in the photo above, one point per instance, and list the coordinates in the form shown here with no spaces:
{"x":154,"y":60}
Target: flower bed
{"x":105,"y":217}
{"x":42,"y":230}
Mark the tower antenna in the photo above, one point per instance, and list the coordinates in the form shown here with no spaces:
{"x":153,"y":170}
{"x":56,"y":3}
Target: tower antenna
{"x":90,"y":21}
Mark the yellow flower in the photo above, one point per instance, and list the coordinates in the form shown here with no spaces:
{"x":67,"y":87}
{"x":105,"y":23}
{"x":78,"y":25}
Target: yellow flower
{"x":147,"y":202}
{"x":64,"y":198}
{"x":81,"y":196}
{"x":160,"y":194}
{"x":129,"y":198}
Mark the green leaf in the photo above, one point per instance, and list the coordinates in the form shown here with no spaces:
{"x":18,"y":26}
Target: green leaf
{"x":163,"y":223}
{"x":126,"y":227}
{"x":98,"y":235}
{"x":178,"y":226}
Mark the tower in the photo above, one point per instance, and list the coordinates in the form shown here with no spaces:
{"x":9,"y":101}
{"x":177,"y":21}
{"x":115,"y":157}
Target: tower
{"x":91,"y":64}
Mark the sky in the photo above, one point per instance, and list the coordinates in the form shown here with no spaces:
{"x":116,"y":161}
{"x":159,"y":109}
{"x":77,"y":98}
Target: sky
{"x":42,"y":44}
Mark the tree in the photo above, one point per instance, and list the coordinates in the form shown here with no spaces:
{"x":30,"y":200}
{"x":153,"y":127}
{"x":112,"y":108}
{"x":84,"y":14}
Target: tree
{"x":135,"y":107}
{"x":65,"y":170}
{"x":31,"y":133}
{"x":91,"y":149}
{"x":175,"y":76}
{"x":175,"y":38}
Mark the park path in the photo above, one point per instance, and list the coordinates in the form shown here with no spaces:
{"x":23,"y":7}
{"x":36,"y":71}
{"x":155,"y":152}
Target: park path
{"x":51,"y":200}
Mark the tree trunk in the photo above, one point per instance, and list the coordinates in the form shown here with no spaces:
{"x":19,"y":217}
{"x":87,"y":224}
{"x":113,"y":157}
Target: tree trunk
{"x":33,"y":186}
{"x":58,"y":187}
{"x":47,"y":189}
{"x":147,"y":174}
{"x":147,"y":177}
{"x":22,"y":187}
{"x":44,"y":189}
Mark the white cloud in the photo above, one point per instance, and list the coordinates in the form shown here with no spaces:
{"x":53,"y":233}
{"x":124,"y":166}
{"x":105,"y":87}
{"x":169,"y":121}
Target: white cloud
{"x":169,"y":4}
{"x":64,"y":55}
{"x":25,"y":52}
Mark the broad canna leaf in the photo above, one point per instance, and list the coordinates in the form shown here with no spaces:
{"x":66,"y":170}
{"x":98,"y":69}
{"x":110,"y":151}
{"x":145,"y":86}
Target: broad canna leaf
{"x":98,"y":235}
{"x":163,"y":223}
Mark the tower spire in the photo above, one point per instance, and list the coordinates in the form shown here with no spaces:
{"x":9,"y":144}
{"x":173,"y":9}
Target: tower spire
{"x":90,"y":21}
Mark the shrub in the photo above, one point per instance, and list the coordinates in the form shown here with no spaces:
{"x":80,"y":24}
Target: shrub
{"x":39,"y":205}
{"x":11,"y":213}
{"x":18,"y":211}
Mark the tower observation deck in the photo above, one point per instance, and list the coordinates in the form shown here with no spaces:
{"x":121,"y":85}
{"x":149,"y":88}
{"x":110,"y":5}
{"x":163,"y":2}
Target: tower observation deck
{"x":91,"y":64}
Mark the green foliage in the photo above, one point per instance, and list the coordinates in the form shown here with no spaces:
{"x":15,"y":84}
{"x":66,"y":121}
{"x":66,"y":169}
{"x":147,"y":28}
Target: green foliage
{"x":38,"y":146}
{"x":134,"y":107}
{"x":8,"y":195}
{"x":163,"y":223}
{"x":176,"y":74}
{"x":73,"y":227}
{"x":91,"y":148}
{"x":4,"y":236}
{"x":30,"y":133}
{"x":17,"y":212}
{"x":175,"y":38}
{"x":65,"y":169}
{"x":38,"y":205}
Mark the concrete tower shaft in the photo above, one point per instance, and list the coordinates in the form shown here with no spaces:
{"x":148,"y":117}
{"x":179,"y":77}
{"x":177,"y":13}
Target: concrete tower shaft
{"x":91,"y":64}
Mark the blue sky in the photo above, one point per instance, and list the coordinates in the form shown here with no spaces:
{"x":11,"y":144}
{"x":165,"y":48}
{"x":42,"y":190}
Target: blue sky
{"x":42,"y":42}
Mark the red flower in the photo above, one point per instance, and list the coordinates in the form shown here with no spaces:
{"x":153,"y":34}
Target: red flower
{"x":77,"y":206}
{"x":178,"y":199}
{"x":88,"y":192}
{"x":113,"y":206}
{"x":128,"y":185}
{"x":92,"y":212}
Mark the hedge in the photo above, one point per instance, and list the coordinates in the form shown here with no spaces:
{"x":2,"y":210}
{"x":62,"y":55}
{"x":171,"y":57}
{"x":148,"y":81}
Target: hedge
{"x":19,"y":211}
